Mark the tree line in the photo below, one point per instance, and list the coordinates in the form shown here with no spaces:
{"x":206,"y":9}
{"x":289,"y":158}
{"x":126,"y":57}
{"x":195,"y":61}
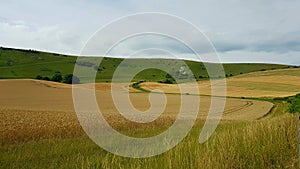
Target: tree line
{"x":58,"y":77}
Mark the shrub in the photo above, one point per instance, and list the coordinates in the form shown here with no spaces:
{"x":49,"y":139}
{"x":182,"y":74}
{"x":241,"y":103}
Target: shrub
{"x":167,"y":81}
{"x":168,"y":75}
{"x":46,"y":78}
{"x":39,"y":77}
{"x":10,"y":62}
{"x":294,"y":106}
{"x":57,"y":77}
{"x":71,"y":79}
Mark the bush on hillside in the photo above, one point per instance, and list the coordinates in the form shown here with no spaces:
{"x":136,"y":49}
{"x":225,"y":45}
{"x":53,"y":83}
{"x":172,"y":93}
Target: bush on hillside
{"x":46,"y":78}
{"x":57,"y":77}
{"x":39,"y":77}
{"x":71,"y":79}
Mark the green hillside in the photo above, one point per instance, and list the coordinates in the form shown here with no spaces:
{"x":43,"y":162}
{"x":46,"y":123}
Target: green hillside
{"x":16,"y":63}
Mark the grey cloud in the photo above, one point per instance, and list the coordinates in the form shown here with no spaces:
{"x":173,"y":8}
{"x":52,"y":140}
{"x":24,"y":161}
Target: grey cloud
{"x":270,"y":27}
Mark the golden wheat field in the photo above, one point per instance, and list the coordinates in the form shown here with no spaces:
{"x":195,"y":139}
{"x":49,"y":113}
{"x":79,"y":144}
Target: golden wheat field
{"x":32,"y":109}
{"x":271,"y":83}
{"x":39,"y":124}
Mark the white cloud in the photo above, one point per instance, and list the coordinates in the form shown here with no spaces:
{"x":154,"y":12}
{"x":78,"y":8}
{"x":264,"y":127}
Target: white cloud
{"x":263,"y":31}
{"x":52,"y":38}
{"x":289,"y":58}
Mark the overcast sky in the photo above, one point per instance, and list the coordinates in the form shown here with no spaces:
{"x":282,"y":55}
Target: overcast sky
{"x":241,"y":31}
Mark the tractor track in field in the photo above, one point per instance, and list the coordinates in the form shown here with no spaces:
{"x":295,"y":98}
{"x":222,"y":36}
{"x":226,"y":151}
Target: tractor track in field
{"x":235,"y":109}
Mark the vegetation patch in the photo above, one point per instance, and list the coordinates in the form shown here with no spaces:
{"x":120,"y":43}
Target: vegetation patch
{"x":294,"y":102}
{"x":57,"y":77}
{"x":138,"y":87}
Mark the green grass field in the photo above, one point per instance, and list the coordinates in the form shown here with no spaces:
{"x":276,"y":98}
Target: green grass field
{"x":28,"y":64}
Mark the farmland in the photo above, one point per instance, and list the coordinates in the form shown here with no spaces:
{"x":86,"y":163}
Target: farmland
{"x":272,"y":83}
{"x":263,"y":144}
{"x":39,"y":126}
{"x":46,"y":108}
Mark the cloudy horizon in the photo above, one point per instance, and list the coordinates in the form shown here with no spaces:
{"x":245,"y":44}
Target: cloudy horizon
{"x":254,"y":31}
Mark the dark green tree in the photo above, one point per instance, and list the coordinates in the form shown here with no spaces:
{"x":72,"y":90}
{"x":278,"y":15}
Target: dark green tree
{"x":71,"y":79}
{"x":46,"y":78}
{"x":57,"y":77}
{"x":168,"y":75}
{"x":39,"y":77}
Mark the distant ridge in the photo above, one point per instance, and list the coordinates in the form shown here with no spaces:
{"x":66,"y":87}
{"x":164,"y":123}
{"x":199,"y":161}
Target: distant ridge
{"x":22,"y":63}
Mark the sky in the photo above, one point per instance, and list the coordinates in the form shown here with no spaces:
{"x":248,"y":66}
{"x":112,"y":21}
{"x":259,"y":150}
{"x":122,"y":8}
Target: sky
{"x":258,"y":31}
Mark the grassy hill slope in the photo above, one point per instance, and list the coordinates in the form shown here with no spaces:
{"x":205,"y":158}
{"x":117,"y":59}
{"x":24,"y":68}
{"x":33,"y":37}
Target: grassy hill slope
{"x":17,"y":63}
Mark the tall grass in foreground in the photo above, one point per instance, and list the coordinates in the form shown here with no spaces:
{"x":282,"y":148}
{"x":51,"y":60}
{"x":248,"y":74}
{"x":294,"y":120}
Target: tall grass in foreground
{"x":269,"y":143}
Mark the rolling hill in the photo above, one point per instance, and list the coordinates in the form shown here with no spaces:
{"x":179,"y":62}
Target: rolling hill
{"x":20,"y":64}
